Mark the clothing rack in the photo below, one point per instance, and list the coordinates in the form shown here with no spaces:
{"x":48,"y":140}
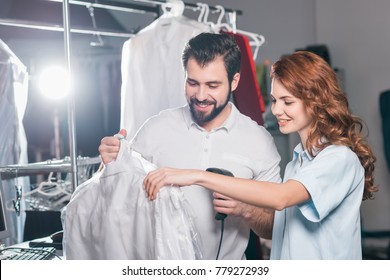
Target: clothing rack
{"x":115,"y":6}
{"x":191,"y":6}
{"x":137,"y":8}
{"x":44,"y":167}
{"x":107,"y":5}
{"x":53,"y":27}
{"x":150,"y":7}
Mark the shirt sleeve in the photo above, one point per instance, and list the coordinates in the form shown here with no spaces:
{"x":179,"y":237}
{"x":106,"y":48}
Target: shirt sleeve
{"x":142,"y":142}
{"x":329,"y":178}
{"x":269,"y":164}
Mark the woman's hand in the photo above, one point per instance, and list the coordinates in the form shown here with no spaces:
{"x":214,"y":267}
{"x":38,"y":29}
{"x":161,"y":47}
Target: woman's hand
{"x":169,"y":177}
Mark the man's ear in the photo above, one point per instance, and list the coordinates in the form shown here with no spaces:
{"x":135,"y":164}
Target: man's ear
{"x":236,"y":79}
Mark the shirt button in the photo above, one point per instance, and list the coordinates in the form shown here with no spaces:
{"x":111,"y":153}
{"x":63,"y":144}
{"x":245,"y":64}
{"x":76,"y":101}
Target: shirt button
{"x":206,"y":150}
{"x":207,"y":136}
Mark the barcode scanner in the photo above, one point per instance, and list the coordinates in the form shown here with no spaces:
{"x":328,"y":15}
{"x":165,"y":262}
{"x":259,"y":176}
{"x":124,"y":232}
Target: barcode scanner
{"x":220,"y":216}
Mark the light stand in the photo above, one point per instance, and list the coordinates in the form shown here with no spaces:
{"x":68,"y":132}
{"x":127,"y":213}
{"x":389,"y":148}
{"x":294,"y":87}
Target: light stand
{"x":54,"y":83}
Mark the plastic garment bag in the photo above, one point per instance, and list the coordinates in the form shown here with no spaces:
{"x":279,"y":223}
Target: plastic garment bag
{"x":153,"y":54}
{"x":13,"y":141}
{"x":110,"y":217}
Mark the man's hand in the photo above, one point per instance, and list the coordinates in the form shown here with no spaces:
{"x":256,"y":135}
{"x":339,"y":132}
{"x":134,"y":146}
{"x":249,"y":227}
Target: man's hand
{"x":109,"y":147}
{"x":259,"y":219}
{"x":226,"y":205}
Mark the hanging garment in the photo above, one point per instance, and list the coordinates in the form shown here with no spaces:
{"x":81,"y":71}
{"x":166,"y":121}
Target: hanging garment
{"x":110,"y":217}
{"x":13,"y":142}
{"x":384,"y":105}
{"x":152,"y":71}
{"x":247,"y":96}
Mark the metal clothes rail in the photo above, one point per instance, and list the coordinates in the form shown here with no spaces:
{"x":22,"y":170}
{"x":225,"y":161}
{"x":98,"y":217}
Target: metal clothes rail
{"x":138,"y":8}
{"x":107,"y":5}
{"x":54,"y":27}
{"x":115,"y":6}
{"x":45,"y":167}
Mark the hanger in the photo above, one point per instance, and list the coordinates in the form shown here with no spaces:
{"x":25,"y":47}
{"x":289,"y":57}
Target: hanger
{"x":202,"y":9}
{"x":47,"y":189}
{"x":232,"y":20}
{"x":206,"y":14}
{"x":50,"y":188}
{"x":221,"y":10}
{"x":97,"y":40}
{"x":173,"y":8}
{"x":11,"y":57}
{"x":256,"y":40}
{"x":223,"y":25}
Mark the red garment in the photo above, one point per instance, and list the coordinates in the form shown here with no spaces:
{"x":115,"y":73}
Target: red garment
{"x":247,"y":97}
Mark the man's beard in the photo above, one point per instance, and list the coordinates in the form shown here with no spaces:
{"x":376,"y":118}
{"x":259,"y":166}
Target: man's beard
{"x":202,"y":118}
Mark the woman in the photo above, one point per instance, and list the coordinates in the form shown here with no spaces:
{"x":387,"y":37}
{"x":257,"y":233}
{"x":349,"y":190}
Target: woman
{"x":318,"y":203}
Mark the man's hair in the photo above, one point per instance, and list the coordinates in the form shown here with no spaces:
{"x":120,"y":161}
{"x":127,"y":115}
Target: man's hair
{"x":206,"y":47}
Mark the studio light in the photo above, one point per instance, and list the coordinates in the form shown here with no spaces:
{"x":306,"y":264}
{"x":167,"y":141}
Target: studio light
{"x":54,"y":82}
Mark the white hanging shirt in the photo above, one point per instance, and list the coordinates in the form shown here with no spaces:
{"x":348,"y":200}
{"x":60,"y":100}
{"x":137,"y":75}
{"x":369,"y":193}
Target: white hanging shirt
{"x":109,"y":217}
{"x":13,"y":141}
{"x":239,"y":145}
{"x":152,"y":71}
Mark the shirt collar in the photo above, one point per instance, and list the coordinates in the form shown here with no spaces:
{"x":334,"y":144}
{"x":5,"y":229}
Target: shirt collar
{"x":300,"y":153}
{"x":227,"y":125}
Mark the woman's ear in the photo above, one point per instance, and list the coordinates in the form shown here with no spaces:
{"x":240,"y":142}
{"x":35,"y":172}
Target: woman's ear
{"x":236,"y":79}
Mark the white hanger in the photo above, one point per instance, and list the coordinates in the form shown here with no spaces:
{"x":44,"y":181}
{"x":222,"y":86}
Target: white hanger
{"x":12,"y":56}
{"x":202,"y":11}
{"x":49,"y":188}
{"x":221,"y":14}
{"x":232,"y":17}
{"x":97,"y":40}
{"x":222,"y":25}
{"x":173,"y":8}
{"x":206,"y":14}
{"x":256,"y":40}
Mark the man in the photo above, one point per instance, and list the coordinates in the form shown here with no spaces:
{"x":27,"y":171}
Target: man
{"x":210,"y":132}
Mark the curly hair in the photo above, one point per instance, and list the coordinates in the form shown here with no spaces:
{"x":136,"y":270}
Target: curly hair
{"x":310,"y":78}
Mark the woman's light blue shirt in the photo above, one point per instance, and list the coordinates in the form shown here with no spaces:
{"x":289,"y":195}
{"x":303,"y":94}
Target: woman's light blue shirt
{"x":328,"y":225}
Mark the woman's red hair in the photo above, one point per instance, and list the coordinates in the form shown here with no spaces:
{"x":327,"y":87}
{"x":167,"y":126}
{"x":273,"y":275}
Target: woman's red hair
{"x":310,"y":78}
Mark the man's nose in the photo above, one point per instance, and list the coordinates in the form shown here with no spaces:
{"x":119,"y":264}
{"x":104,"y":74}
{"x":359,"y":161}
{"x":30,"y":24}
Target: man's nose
{"x":201,"y":93}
